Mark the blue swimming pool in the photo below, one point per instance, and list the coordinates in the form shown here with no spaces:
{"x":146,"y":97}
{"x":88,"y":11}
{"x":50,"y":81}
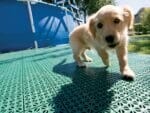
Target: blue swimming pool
{"x":33,"y":24}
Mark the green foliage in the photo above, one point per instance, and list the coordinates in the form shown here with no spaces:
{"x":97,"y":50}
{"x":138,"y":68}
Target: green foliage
{"x":141,"y":28}
{"x":138,"y":28}
{"x":146,"y":19}
{"x":93,"y":5}
{"x":144,"y":26}
{"x":140,"y":44}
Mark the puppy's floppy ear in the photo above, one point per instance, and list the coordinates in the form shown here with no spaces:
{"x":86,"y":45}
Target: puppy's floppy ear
{"x":129,"y":17}
{"x":91,"y":25}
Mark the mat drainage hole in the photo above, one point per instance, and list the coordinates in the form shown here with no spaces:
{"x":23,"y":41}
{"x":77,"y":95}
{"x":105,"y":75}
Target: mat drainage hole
{"x":132,"y":112}
{"x":121,"y":111}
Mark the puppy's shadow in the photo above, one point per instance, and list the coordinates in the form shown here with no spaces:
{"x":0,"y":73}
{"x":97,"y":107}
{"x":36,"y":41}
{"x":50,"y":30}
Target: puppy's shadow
{"x":89,"y":89}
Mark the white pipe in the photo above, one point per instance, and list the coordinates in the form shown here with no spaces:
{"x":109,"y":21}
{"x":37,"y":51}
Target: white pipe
{"x":32,"y":22}
{"x":31,"y":17}
{"x":67,"y":21}
{"x":35,"y":44}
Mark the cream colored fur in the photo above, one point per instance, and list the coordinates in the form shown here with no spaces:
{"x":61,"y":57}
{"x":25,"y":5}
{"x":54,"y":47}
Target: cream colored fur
{"x":109,"y":21}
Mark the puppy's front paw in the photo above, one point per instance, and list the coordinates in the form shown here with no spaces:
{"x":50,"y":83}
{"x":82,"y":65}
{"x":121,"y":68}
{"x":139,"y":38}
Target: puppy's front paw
{"x":107,"y":63}
{"x":128,"y":74}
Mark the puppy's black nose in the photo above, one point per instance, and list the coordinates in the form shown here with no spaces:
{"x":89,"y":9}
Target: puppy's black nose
{"x":109,"y":38}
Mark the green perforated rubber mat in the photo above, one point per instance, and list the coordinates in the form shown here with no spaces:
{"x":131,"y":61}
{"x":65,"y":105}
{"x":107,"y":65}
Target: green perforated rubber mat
{"x":48,"y":81}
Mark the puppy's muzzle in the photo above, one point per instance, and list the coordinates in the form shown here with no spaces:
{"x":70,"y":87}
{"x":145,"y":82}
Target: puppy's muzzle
{"x":110,"y":40}
{"x":113,"y":45}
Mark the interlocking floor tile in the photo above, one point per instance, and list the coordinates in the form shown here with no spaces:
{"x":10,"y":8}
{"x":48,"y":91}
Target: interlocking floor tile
{"x":47,"y":80}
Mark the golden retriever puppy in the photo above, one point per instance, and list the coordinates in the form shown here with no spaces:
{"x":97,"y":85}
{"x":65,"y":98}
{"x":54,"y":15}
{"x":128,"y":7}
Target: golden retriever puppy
{"x":106,"y":29}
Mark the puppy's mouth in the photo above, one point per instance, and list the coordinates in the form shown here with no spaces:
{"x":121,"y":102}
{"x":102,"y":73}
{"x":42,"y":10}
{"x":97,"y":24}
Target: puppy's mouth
{"x":113,"y":45}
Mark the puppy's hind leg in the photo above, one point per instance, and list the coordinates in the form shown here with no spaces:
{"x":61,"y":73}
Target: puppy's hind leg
{"x":76,"y":56}
{"x":85,"y":57}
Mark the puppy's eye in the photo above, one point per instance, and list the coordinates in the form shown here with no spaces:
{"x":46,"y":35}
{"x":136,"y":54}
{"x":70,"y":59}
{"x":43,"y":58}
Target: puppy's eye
{"x":99,"y":25}
{"x":116,"y":21}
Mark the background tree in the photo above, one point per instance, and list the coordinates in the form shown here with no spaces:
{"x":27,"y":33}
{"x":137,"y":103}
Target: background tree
{"x":49,"y":1}
{"x":145,"y":20}
{"x":92,"y":6}
{"x":142,"y":25}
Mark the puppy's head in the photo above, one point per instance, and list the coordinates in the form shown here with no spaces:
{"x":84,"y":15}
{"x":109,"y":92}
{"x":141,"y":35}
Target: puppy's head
{"x":110,"y":24}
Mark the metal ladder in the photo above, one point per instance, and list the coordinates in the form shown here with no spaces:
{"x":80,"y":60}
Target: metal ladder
{"x":72,"y":6}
